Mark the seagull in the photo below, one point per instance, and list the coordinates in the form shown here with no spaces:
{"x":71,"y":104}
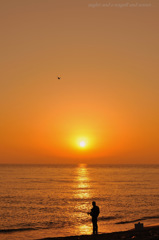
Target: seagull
{"x":58,"y":78}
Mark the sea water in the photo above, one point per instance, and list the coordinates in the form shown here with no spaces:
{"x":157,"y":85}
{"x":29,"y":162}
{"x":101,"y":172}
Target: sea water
{"x":38,"y":201}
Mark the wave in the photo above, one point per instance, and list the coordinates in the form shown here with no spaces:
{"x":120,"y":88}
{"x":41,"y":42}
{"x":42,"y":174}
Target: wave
{"x":138,"y":220}
{"x":16,"y":230}
{"x":43,"y":225}
{"x":106,"y":218}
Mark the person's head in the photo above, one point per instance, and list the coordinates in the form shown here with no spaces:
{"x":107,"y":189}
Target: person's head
{"x":94,"y":203}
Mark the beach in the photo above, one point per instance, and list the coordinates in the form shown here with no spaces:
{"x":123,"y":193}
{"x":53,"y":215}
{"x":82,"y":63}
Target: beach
{"x":148,"y":233}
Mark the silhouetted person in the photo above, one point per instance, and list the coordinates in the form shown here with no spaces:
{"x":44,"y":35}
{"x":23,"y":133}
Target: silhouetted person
{"x":94,"y":213}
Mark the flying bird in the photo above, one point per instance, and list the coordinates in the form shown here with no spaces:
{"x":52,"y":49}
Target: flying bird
{"x":58,"y":78}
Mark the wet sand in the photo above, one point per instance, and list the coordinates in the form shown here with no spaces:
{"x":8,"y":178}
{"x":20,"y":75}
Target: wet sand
{"x":148,"y":233}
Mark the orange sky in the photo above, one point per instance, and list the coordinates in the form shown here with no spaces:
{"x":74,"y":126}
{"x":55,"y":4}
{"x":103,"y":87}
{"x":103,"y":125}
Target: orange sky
{"x":108,"y":95}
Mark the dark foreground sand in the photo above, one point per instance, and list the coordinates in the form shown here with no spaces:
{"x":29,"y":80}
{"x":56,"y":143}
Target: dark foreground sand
{"x":148,"y":233}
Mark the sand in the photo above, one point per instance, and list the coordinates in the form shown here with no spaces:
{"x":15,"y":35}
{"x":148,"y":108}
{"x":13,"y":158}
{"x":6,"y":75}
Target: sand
{"x":148,"y":233}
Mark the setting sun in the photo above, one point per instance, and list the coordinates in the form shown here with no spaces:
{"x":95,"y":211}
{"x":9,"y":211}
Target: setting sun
{"x":82,"y":144}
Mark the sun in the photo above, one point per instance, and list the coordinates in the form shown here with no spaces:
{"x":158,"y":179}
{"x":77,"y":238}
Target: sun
{"x":82,"y":143}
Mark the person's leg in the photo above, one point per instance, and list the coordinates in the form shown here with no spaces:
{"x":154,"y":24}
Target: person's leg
{"x":95,"y":227}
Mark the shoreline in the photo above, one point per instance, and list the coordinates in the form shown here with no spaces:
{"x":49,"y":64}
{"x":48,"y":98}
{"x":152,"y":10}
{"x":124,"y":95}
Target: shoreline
{"x":148,"y":233}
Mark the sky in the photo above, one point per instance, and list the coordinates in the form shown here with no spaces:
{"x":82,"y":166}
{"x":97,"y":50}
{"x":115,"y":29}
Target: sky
{"x":105,"y":107}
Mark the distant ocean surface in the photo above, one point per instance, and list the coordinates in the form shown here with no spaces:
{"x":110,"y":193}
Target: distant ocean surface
{"x":50,"y":201}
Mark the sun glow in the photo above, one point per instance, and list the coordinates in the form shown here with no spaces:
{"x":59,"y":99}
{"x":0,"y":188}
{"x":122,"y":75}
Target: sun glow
{"x":82,"y":144}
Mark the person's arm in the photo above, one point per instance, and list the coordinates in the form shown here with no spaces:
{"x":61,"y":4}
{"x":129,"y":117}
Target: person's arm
{"x":90,"y":213}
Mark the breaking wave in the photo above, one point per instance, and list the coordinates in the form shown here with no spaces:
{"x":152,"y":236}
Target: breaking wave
{"x":138,"y":220}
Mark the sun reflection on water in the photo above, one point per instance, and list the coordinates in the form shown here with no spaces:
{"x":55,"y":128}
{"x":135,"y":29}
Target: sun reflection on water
{"x":83,"y":182}
{"x":85,"y":229}
{"x":83,"y":195}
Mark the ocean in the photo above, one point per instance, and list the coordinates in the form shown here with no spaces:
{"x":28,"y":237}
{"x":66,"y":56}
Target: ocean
{"x":38,"y":201}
